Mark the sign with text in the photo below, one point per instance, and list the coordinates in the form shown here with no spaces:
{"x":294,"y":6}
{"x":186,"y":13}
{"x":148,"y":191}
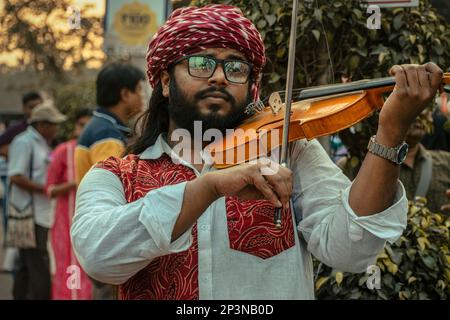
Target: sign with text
{"x":394,"y":3}
{"x":130,"y":24}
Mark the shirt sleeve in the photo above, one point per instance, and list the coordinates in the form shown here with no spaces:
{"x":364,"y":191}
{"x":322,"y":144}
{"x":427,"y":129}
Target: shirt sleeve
{"x":113,"y":239}
{"x":20,"y":151}
{"x":333,"y":232}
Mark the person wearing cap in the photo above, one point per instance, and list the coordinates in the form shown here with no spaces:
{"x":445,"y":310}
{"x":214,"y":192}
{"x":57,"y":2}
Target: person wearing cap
{"x":163,"y":226}
{"x":27,"y":169}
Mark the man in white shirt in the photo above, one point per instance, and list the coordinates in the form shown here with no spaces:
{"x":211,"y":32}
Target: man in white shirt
{"x":27,"y":170}
{"x":164,"y":227}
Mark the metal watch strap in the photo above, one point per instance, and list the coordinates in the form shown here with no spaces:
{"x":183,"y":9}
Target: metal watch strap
{"x":382,"y":151}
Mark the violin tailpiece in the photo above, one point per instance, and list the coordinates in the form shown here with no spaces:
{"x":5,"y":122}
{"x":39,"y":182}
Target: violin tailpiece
{"x":253,"y":107}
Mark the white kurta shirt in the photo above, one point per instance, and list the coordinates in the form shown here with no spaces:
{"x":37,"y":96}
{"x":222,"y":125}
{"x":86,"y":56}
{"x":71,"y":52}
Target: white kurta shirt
{"x":114,"y":239}
{"x":27,"y":145}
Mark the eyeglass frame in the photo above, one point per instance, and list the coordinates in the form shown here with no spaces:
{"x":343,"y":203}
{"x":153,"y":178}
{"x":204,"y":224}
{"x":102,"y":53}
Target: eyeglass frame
{"x":217,"y":61}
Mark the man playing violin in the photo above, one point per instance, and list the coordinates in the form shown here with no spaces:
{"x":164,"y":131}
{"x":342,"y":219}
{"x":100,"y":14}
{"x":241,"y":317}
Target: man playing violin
{"x":161,"y":227}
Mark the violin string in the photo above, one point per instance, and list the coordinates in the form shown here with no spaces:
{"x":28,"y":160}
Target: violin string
{"x":282,"y":94}
{"x":327,"y":45}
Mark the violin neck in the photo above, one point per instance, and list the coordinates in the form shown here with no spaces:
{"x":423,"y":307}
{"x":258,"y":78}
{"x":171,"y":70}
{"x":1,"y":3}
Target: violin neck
{"x":383,"y":84}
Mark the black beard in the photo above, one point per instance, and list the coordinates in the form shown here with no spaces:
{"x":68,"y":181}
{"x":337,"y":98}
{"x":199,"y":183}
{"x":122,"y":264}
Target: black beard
{"x":184,"y":112}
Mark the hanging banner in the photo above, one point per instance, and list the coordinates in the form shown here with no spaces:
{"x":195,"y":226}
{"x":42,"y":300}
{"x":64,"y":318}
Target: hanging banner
{"x":393,"y":3}
{"x":130,"y":24}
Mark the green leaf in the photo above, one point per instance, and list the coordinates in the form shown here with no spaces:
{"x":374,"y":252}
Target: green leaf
{"x":305,"y":23}
{"x":357,"y":13}
{"x":318,"y":14}
{"x":316,"y":34}
{"x":281,"y":51}
{"x":382,"y":295}
{"x":398,"y":22}
{"x":382,"y":56}
{"x":279,"y":37}
{"x":353,"y":63}
{"x":429,"y":261}
{"x":339,"y":277}
{"x":266,"y":8}
{"x":271,"y":19}
{"x":261,"y":24}
{"x":274,"y":77}
{"x":420,"y":48}
{"x":439,"y":49}
{"x":321,"y":281}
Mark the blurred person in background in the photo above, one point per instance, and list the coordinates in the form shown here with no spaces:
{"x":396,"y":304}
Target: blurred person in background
{"x":430,"y":166}
{"x":439,"y":138}
{"x":425,"y":173}
{"x":27,"y":171}
{"x":119,"y":98}
{"x":62,"y":186}
{"x":29,"y":101}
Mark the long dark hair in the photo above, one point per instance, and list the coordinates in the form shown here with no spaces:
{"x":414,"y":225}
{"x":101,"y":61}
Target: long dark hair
{"x":153,"y":122}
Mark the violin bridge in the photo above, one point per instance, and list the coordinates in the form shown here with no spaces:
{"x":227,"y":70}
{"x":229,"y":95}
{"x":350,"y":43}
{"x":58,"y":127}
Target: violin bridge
{"x":275,"y":102}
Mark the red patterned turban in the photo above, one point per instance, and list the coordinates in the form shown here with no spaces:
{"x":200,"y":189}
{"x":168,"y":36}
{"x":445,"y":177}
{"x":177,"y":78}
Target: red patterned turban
{"x":190,"y":30}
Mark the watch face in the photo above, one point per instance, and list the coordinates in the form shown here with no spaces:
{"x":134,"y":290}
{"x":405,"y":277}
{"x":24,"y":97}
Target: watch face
{"x":402,"y":152}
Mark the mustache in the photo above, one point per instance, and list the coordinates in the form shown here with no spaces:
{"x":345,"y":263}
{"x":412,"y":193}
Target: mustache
{"x":200,"y":95}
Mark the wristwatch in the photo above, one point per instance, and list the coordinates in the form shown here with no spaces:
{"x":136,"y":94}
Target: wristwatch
{"x":395,"y":154}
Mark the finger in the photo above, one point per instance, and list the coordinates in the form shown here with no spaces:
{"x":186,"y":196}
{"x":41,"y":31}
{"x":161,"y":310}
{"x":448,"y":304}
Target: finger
{"x":445,"y":208}
{"x":280,"y":179}
{"x":424,"y":78}
{"x":269,"y":167}
{"x":281,"y":189}
{"x":436,"y":75}
{"x":412,"y":80}
{"x":264,"y":187}
{"x":287,"y":178}
{"x":400,"y":78}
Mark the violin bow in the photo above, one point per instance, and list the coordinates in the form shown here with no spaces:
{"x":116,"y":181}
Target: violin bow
{"x":288,"y":99}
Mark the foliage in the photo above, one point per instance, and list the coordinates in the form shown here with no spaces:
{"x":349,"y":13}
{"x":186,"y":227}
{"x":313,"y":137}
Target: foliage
{"x":38,"y":32}
{"x":443,"y":7}
{"x":407,"y":35}
{"x":417,"y":266}
{"x":70,"y":98}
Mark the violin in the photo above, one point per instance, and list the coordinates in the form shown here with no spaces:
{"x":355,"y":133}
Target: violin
{"x":317,"y":112}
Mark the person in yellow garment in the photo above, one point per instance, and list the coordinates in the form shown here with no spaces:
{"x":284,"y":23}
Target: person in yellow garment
{"x":119,"y":98}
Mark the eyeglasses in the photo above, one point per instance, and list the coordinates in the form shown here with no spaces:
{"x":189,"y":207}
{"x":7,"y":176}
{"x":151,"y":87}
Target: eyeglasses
{"x":236,"y":71}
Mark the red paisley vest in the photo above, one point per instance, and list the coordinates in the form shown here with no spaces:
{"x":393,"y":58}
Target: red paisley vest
{"x":175,"y":276}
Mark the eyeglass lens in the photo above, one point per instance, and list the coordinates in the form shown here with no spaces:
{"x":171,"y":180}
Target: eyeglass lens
{"x":204,"y":67}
